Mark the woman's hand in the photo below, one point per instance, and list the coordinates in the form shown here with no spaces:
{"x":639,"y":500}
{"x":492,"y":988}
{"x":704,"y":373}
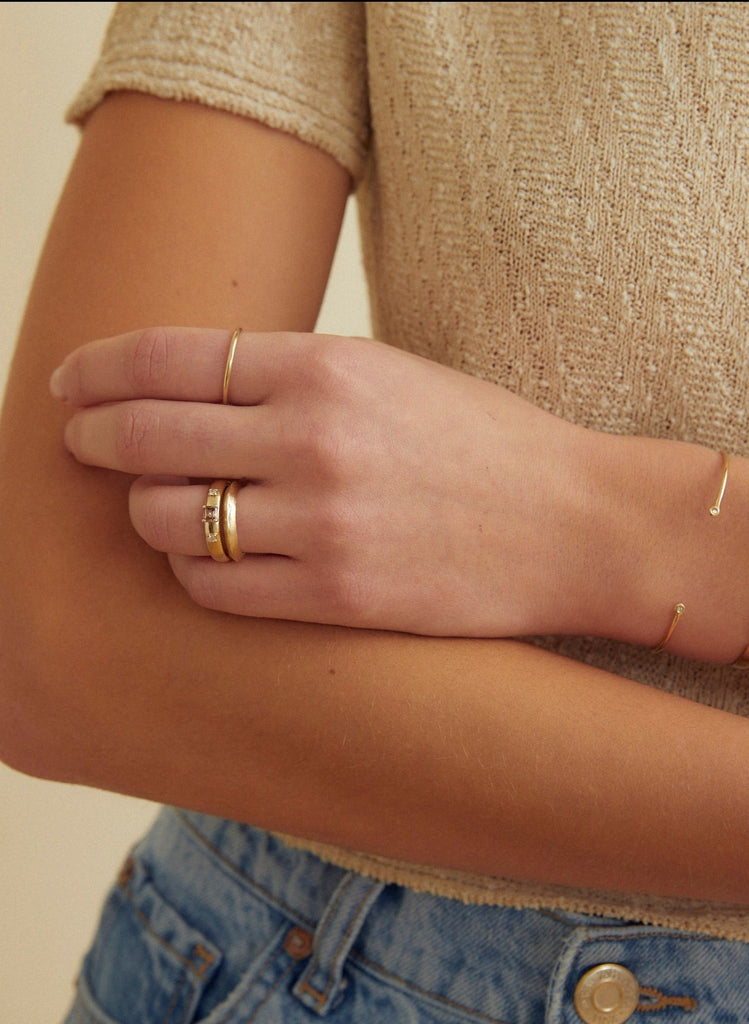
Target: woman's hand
{"x":380,"y":489}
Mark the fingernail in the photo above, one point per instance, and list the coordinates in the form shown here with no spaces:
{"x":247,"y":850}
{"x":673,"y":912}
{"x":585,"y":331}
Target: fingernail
{"x":56,"y":383}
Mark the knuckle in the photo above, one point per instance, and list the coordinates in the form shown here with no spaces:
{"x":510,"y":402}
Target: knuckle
{"x":333,"y":526}
{"x":135,"y":436}
{"x":77,"y":389}
{"x":323,"y":445}
{"x":329,"y":365}
{"x":325,"y":381}
{"x":148,"y":365}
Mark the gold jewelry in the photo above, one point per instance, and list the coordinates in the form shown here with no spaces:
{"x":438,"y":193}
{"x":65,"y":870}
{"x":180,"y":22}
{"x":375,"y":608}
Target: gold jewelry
{"x":715,"y":508}
{"x":228,"y":521}
{"x":743,"y":659}
{"x":212,"y":521}
{"x":229,"y":364}
{"x":679,"y":610}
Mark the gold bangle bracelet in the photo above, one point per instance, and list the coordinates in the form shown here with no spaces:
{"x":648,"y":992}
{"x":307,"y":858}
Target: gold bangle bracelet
{"x":715,"y":507}
{"x":743,"y":659}
{"x":679,"y":610}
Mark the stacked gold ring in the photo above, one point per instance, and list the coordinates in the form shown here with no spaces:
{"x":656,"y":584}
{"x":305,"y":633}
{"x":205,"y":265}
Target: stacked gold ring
{"x":229,"y":522}
{"x":220,"y":521}
{"x":212,"y":521}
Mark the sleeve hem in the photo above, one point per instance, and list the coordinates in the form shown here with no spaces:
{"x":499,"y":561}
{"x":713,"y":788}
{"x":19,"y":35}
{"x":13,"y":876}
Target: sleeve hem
{"x":270,"y":106}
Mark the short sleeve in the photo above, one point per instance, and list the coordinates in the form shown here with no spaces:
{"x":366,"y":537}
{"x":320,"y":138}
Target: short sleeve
{"x":298,"y":67}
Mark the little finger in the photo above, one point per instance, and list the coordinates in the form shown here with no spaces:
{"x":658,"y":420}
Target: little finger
{"x":262,"y":586}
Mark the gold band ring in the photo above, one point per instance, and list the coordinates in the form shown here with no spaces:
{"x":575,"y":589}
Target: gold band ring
{"x":212,"y":521}
{"x":230,"y":364}
{"x":228,"y":521}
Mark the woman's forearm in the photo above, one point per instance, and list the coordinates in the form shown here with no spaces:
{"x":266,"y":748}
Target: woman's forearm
{"x":481,"y":755}
{"x":486,"y":756}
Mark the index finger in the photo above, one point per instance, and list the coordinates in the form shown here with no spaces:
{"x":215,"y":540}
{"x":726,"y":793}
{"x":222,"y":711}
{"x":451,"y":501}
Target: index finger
{"x":181,"y":364}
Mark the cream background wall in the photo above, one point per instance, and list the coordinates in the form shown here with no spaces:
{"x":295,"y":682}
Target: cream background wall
{"x":61,"y":845}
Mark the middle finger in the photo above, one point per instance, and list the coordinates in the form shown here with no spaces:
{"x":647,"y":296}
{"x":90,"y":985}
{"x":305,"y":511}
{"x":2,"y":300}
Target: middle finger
{"x":175,"y":438}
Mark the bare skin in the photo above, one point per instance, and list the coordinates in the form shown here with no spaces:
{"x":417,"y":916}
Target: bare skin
{"x":484,"y":755}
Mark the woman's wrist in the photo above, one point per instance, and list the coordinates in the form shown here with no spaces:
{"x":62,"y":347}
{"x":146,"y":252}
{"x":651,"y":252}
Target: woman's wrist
{"x":654,"y":566}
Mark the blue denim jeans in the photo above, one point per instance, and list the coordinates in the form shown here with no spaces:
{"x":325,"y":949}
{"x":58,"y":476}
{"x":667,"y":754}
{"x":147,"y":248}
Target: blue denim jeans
{"x":218,"y":923}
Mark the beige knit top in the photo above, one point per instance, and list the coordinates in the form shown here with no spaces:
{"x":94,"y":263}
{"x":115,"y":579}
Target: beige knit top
{"x":553,"y":197}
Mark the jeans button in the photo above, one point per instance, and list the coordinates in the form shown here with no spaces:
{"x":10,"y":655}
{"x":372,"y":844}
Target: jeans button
{"x":607,"y":994}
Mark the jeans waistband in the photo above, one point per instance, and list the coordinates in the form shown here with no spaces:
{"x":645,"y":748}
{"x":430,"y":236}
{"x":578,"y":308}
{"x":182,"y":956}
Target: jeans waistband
{"x":472,"y":963}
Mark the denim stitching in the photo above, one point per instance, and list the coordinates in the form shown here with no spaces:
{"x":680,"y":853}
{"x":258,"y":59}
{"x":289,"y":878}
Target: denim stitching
{"x":162,"y":941}
{"x":239,"y":877}
{"x":662,"y":1002}
{"x":329,"y":912}
{"x":269,"y":993}
{"x":187,"y":964}
{"x":305,"y":986}
{"x":248,"y":984}
{"x":205,"y":956}
{"x":656,"y":933}
{"x":175,"y":997}
{"x":376,"y":968}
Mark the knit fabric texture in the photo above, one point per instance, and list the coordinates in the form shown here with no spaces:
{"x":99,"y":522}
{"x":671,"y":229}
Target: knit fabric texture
{"x":552,"y":197}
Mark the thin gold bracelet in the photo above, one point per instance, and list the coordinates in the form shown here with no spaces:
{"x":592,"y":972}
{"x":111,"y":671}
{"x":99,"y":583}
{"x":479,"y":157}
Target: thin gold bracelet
{"x":679,"y":610}
{"x":743,"y":659}
{"x":715,"y":507}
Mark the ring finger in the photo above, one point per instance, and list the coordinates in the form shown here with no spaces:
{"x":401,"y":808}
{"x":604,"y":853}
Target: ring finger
{"x":169,"y":517}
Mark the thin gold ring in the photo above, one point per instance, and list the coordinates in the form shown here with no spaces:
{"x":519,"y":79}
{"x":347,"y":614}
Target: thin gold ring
{"x":228,"y":522}
{"x":211,"y":521}
{"x":230,"y":364}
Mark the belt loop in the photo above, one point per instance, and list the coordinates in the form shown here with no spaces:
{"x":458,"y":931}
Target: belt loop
{"x":337,"y":931}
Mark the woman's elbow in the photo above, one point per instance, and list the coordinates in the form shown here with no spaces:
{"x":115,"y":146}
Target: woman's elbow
{"x":36,"y":721}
